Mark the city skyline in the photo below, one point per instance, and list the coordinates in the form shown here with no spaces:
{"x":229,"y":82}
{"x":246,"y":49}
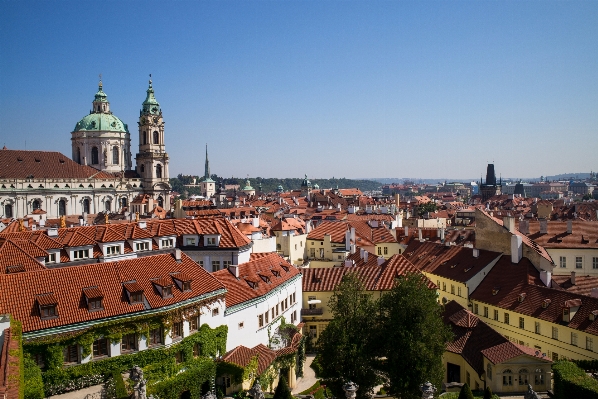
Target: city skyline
{"x":311,"y":88}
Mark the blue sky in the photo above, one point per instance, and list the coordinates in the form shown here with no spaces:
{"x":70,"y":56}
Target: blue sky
{"x":324,"y":88}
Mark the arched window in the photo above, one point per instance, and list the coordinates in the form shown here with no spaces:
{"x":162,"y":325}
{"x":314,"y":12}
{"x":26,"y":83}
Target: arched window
{"x":159,"y":171}
{"x":94,"y":156}
{"x":160,"y":202}
{"x":115,"y":155}
{"x":156,"y":138}
{"x":507,"y":378}
{"x":123,"y":202}
{"x":78,"y":156}
{"x":36,"y":204}
{"x":62,"y":207}
{"x":144,"y":137}
{"x":539,"y":377}
{"x":108,"y":206}
{"x":86,"y":205}
{"x":142,"y":169}
{"x":8,"y":211}
{"x":523,"y":377}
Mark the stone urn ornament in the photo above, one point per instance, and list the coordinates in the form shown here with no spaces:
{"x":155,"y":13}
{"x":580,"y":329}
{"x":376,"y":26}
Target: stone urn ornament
{"x":350,"y":389}
{"x":428,"y":390}
{"x":256,"y":391}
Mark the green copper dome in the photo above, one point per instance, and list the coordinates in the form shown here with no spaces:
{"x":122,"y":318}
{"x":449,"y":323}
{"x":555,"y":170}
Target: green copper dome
{"x":100,"y":118}
{"x":247,"y":186}
{"x":101,"y":122}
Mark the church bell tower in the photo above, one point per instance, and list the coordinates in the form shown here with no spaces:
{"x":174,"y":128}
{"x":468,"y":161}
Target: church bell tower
{"x":152,"y":159}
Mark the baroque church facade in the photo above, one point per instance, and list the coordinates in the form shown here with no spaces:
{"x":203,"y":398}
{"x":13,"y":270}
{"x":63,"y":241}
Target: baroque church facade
{"x":99,"y":177}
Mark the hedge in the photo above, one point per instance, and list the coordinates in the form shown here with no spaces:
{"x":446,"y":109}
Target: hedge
{"x":121,"y":390}
{"x":34,"y":385}
{"x":196,"y":372}
{"x":570,"y":381}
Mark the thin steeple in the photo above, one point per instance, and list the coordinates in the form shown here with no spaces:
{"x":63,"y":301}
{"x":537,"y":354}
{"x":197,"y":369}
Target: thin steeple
{"x":207,"y":167}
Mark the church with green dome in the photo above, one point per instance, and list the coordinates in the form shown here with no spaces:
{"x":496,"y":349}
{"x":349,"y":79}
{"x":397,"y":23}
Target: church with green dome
{"x":100,"y":139}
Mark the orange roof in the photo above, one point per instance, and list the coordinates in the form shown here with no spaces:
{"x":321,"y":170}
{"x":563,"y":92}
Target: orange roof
{"x":22,"y":290}
{"x":240,"y":291}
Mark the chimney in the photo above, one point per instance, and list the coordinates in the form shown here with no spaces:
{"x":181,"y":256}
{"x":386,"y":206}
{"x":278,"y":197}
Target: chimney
{"x":476,"y":253}
{"x":353,"y":234}
{"x":419,"y":234}
{"x":569,"y":226}
{"x":546,"y":277}
{"x":516,"y":248}
{"x":53,"y":232}
{"x":406,"y":231}
{"x":509,"y":223}
{"x":348,"y":262}
{"x":177,"y":255}
{"x":373,"y":224}
{"x":524,"y":227}
{"x":361,"y":251}
{"x":572,"y":278}
{"x":142,"y":225}
{"x":234,"y":270}
{"x":594,"y":293}
{"x":399,"y":220}
{"x":352,"y":248}
{"x":380,"y":260}
{"x":543,"y":226}
{"x":365,"y":256}
{"x":347,"y":240}
{"x":442,"y":233}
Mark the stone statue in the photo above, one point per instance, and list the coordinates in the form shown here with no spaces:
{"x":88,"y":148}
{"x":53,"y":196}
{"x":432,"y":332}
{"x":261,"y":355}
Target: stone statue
{"x":350,"y":389}
{"x":530,"y":394}
{"x":141,"y":389}
{"x":209,"y":395}
{"x":427,"y":390}
{"x":256,"y":391}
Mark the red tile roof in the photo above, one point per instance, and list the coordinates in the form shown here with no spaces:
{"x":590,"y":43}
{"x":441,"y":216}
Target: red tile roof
{"x":374,"y":278}
{"x":19,"y":164}
{"x":584,"y":234}
{"x":22,"y":290}
{"x":511,"y":280}
{"x":240,"y":291}
{"x":453,"y":262}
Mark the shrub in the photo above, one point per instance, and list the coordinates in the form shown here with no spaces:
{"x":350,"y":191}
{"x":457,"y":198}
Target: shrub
{"x":570,"y":381}
{"x":34,"y":385}
{"x":120,"y":389}
{"x":487,"y":393}
{"x":282,"y":390}
{"x":465,"y":392}
{"x":317,"y":367}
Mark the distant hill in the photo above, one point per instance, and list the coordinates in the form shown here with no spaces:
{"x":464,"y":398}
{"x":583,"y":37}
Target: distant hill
{"x":271,"y":184}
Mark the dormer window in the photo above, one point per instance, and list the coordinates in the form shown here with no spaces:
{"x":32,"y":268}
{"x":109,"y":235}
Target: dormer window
{"x":187,"y":286}
{"x":182,"y":281}
{"x":113,"y":250}
{"x":521,"y":297}
{"x":94,"y":297}
{"x":190,"y":242}
{"x":51,"y":258}
{"x":141,"y":246}
{"x":545,"y":303}
{"x":167,"y":292}
{"x":167,"y":243}
{"x":164,"y":286}
{"x":81,"y":254}
{"x":266,"y":279}
{"x":276,"y":273}
{"x":47,"y":306}
{"x":212,"y":240}
{"x":134,"y":291}
{"x":15,"y":269}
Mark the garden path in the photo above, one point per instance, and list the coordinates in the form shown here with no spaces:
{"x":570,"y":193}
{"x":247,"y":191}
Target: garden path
{"x":309,"y":376}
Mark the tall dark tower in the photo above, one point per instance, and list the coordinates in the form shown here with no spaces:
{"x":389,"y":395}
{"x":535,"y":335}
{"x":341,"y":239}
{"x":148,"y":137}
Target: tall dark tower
{"x":489,"y":189}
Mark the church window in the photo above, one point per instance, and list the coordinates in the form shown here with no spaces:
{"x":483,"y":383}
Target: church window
{"x":8,"y":210}
{"x":86,"y":205}
{"x":78,"y":156}
{"x":159,"y":171}
{"x":144,"y":137}
{"x":94,"y":156}
{"x":115,"y":155}
{"x":62,"y":207}
{"x":160,"y":202}
{"x":156,"y":138}
{"x":36,"y":205}
{"x":108,"y":206}
{"x":123,"y":202}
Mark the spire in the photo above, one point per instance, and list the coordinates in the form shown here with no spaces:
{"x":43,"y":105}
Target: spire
{"x":207,"y":167}
{"x":151,"y":105}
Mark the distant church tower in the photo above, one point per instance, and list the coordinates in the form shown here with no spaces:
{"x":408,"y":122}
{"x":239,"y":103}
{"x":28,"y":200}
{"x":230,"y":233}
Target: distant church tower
{"x":207,"y":186}
{"x":101,"y":139}
{"x":152,"y":159}
{"x":490,"y":188}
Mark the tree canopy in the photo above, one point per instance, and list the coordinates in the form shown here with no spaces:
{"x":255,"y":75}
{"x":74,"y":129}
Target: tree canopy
{"x":397,"y":340}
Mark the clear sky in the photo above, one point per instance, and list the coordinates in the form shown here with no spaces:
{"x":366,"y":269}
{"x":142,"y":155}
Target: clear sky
{"x":324,"y":88}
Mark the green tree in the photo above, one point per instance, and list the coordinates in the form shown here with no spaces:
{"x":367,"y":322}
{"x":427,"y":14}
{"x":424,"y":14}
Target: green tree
{"x":487,"y":393}
{"x":282,"y":390}
{"x":413,"y":336}
{"x":346,"y":348}
{"x":465,"y":392}
{"x":427,"y":207}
